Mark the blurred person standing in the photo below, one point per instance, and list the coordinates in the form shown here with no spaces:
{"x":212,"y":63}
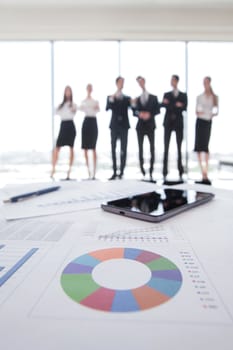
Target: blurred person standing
{"x":119,"y":104}
{"x":146,"y":107}
{"x":90,"y":129}
{"x":67,"y":133}
{"x":175,"y":102}
{"x":206,"y":108}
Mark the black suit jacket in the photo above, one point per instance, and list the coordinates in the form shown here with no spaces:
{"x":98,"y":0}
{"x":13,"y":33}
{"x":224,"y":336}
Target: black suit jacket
{"x":174,"y":115}
{"x":119,"y":109}
{"x":152,"y":106}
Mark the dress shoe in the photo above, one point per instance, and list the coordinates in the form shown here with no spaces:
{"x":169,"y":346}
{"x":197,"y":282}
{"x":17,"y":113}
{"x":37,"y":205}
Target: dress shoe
{"x":206,"y":181}
{"x":113,"y":177}
{"x":152,"y":179}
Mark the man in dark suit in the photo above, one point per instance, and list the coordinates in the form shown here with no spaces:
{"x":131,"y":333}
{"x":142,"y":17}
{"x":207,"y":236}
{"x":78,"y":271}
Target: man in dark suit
{"x":175,"y":103}
{"x":119,"y":125}
{"x":146,"y":107}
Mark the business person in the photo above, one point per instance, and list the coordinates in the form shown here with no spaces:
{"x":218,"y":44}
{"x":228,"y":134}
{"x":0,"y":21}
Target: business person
{"x":175,"y":102}
{"x":90,"y":107}
{"x":67,"y":133}
{"x":119,"y":104}
{"x":146,"y":107}
{"x":206,"y":109}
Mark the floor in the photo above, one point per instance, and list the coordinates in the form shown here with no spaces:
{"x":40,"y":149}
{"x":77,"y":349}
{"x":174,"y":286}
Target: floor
{"x":19,"y":174}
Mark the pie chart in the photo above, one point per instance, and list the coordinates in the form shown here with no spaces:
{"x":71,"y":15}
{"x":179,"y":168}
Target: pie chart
{"x":163,"y":281}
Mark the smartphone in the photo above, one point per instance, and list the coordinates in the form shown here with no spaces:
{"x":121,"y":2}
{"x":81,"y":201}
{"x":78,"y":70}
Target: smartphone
{"x":158,"y":205}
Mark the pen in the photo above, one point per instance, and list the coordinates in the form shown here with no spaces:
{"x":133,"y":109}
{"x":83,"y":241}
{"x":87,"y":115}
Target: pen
{"x":28,"y":195}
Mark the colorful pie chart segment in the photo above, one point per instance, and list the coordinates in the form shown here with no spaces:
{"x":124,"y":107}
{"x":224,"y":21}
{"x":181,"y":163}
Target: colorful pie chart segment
{"x":78,"y":283}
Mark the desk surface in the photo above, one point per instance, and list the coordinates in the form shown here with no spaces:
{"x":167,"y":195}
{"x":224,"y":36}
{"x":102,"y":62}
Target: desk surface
{"x":57,"y":272}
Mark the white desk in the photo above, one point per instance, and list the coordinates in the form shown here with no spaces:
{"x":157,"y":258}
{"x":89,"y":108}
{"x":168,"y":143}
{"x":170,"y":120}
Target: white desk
{"x":36,"y":313}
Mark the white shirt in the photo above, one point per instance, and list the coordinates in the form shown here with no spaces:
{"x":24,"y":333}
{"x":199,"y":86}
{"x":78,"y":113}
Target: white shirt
{"x":90,"y":107}
{"x":118,"y":96}
{"x":67,"y":112}
{"x":175,"y":92}
{"x":144,"y":97}
{"x":205,"y":105}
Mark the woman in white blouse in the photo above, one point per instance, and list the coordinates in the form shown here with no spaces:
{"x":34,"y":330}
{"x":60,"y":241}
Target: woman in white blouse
{"x":206,"y":109}
{"x":90,"y":129}
{"x":67,"y":133}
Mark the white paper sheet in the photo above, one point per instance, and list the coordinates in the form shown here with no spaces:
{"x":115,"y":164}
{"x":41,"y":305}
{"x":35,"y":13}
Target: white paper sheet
{"x":72,"y":196}
{"x":36,"y":313}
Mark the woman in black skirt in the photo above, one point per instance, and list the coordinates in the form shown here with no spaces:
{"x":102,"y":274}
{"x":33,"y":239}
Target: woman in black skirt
{"x":90,"y":129}
{"x":206,"y":109}
{"x":67,"y":133}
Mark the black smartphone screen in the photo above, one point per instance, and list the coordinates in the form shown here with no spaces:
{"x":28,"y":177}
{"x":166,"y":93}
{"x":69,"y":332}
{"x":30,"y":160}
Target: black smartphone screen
{"x":157,"y":205}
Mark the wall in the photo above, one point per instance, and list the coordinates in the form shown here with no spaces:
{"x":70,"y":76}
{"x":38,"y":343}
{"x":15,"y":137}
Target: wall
{"x":121,"y":23}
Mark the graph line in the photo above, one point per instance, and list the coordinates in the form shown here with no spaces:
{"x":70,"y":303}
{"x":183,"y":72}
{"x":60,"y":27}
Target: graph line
{"x":17,"y":266}
{"x":1,"y":246}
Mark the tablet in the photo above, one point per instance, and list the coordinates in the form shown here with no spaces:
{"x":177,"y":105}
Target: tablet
{"x":158,"y":205}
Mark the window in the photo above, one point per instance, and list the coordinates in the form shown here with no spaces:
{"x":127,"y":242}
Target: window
{"x":25,"y":90}
{"x":157,"y":62}
{"x":214,"y":60}
{"x":77,"y":64}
